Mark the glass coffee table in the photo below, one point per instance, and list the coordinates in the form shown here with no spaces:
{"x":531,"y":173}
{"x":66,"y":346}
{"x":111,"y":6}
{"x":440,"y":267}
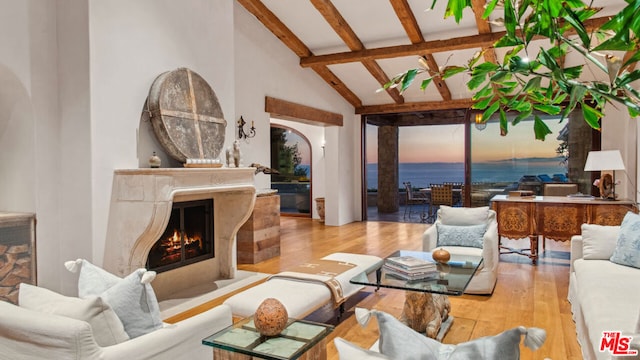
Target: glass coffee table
{"x":453,"y":277}
{"x":301,"y":339}
{"x":426,"y":299}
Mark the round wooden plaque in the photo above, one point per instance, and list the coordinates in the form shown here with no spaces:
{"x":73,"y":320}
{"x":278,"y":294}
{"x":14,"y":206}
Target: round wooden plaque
{"x":186,"y":115}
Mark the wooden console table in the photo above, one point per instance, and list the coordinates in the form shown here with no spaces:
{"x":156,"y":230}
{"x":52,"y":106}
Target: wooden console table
{"x":554,"y":217}
{"x":259,"y":237}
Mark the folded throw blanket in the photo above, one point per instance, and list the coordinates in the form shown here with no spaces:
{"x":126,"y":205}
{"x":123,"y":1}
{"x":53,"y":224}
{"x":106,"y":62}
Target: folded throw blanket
{"x":322,"y":271}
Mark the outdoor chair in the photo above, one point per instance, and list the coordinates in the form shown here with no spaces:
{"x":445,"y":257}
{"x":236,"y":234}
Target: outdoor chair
{"x":559,"y":189}
{"x":413,"y":199}
{"x":458,"y":192}
{"x":441,"y":194}
{"x":560,"y":178}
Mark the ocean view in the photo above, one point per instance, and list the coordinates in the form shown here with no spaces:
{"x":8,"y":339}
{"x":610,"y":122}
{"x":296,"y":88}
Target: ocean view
{"x":510,"y":170}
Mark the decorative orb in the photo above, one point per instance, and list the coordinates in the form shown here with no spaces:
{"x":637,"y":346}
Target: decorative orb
{"x":441,"y":255}
{"x":271,"y":317}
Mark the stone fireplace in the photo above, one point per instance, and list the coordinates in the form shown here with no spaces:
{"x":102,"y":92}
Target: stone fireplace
{"x":141,"y":206}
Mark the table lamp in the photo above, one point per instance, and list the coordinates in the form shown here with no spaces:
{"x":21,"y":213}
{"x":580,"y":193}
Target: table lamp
{"x":607,"y":160}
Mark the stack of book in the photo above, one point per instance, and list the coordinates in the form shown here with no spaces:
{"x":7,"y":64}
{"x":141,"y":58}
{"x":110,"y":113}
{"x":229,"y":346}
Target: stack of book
{"x":410,"y":268}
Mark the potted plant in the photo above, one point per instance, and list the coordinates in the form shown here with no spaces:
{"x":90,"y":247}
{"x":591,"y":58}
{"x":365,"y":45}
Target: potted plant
{"x":526,"y":86}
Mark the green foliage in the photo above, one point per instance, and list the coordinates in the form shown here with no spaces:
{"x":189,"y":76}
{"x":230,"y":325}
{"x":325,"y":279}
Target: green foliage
{"x":288,"y":157}
{"x":523,"y":85}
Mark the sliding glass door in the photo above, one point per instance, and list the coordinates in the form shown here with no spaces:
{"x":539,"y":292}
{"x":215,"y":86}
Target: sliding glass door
{"x":428,"y":148}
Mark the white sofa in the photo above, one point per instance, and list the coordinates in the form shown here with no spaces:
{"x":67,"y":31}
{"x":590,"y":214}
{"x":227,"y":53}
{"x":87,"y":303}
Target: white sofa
{"x":604,"y":296}
{"x":29,"y":335}
{"x":484,"y":281}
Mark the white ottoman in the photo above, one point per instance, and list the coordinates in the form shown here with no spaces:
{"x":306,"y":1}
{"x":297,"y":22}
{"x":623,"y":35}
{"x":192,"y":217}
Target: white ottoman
{"x":301,"y":298}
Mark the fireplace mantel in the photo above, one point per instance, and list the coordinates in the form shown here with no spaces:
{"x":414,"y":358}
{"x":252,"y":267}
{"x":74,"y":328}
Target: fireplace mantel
{"x":141,"y":203}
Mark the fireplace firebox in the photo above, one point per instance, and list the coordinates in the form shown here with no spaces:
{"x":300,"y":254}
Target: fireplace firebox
{"x":187,"y":239}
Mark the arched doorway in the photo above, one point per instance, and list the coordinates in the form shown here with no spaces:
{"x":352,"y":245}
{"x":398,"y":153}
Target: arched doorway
{"x":291,"y":157}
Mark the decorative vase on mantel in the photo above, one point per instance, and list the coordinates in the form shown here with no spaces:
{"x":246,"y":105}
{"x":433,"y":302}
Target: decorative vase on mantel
{"x":154,"y":161}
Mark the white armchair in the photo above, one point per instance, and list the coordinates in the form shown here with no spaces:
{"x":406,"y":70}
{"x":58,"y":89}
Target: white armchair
{"x":484,"y":281}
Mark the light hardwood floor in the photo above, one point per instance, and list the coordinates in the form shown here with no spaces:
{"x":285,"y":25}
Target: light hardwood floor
{"x":528,"y":295}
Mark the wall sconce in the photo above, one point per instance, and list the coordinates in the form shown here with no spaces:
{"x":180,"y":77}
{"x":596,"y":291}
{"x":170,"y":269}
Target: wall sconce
{"x":241,"y":133}
{"x":480,"y":125}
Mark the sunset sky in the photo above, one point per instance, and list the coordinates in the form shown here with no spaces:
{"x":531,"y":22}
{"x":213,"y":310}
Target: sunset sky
{"x":445,"y":143}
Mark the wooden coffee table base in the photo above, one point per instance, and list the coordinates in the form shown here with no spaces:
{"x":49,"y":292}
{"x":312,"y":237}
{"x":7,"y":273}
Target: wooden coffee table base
{"x":427,"y":313}
{"x":318,"y":352}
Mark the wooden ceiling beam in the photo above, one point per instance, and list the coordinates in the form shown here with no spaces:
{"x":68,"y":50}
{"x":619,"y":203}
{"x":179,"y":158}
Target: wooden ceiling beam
{"x":435,"y":117}
{"x":415,"y":107}
{"x":627,"y":56}
{"x":411,"y":27}
{"x":408,"y":20}
{"x":484,"y":27}
{"x":276,"y":26}
{"x":346,"y":33}
{"x":282,"y":32}
{"x":337,"y":84}
{"x":291,"y":111}
{"x":427,"y":47}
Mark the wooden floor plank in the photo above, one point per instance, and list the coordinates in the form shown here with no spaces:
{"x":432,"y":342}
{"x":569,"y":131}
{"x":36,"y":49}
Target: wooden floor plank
{"x":526,"y":294}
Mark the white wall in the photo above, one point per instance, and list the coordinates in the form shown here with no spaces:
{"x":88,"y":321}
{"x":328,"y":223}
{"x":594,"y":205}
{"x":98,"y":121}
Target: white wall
{"x":619,"y":131}
{"x":265,"y":67}
{"x":74,"y":190}
{"x":132,"y":42}
{"x":29,"y":121}
{"x":17,"y":123}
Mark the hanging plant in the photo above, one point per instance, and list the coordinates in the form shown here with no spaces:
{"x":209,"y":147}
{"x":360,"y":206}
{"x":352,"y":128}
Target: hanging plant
{"x":526,"y":86}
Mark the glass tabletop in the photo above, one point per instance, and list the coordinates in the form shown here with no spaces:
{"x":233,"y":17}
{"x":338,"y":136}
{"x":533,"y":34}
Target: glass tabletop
{"x":242,"y":337}
{"x":449,"y":279}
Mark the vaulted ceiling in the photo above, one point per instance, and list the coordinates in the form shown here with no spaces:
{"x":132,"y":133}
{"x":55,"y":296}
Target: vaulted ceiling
{"x":356,"y":46}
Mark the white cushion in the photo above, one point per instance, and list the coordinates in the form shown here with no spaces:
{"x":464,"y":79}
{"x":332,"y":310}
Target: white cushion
{"x":598,"y":241}
{"x":298,"y":297}
{"x":627,"y":251}
{"x":31,"y":335}
{"x":301,"y":298}
{"x":608,"y":298}
{"x":449,"y":215}
{"x":106,"y":326}
{"x":399,"y":342}
{"x":461,"y":235}
{"x":132,"y":298}
{"x":349,"y":351}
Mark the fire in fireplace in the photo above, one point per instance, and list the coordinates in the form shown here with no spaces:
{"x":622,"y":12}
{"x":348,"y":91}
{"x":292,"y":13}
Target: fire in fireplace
{"x":187,"y":239}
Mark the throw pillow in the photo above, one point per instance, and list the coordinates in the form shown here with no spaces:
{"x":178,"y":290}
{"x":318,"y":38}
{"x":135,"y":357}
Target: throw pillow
{"x":627,"y":251}
{"x":399,"y":342}
{"x":106,"y":327}
{"x":598,"y":241}
{"x":132,"y":298}
{"x":449,"y":215}
{"x":469,"y":236}
{"x":349,"y":351}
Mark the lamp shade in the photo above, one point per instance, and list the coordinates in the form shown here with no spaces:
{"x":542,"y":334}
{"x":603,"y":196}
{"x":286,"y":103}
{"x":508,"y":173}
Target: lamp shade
{"x":604,"y":160}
